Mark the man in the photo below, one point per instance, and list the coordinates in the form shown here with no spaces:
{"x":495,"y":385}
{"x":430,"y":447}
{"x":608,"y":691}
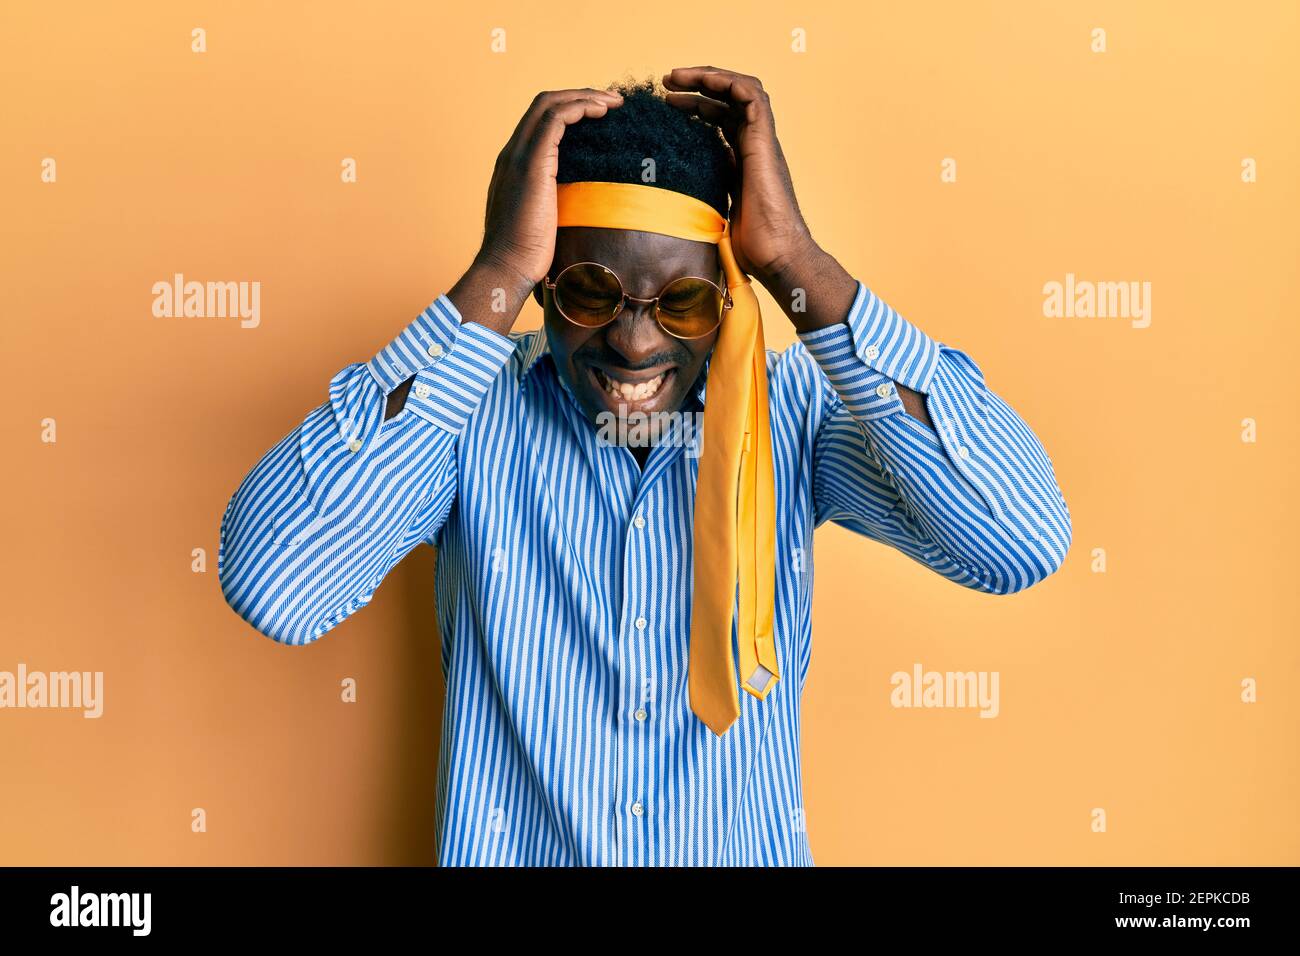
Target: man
{"x":596,"y":712}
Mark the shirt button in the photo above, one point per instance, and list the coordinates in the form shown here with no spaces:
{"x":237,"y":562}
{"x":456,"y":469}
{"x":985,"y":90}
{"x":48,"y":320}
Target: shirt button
{"x":354,"y":445}
{"x":435,"y":350}
{"x":872,"y":352}
{"x":884,"y":389}
{"x":637,"y":809}
{"x":963,"y":452}
{"x":640,"y":714}
{"x":638,"y":521}
{"x":640,"y":623}
{"x":422,"y":391}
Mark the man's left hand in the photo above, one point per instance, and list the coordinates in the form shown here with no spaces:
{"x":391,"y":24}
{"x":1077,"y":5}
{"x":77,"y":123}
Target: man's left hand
{"x":769,"y":237}
{"x":768,"y":232}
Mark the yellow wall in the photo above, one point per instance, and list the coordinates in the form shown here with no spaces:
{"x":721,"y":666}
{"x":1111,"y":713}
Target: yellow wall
{"x":1119,"y":690}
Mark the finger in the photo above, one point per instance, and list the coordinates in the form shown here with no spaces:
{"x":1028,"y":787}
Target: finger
{"x":711,"y":111}
{"x":547,"y":99}
{"x":722,"y":85}
{"x":702,"y":106}
{"x":559,"y":116}
{"x":546,"y":109}
{"x":744,"y":94}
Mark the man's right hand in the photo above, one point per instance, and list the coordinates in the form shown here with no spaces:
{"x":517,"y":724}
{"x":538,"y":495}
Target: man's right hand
{"x":519,"y":225}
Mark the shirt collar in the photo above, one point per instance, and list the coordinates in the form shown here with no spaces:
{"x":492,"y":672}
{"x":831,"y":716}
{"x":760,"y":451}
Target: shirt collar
{"x":535,"y":347}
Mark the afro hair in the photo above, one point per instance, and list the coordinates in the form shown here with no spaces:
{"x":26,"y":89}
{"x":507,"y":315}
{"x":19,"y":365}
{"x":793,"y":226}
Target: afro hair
{"x":690,"y":155}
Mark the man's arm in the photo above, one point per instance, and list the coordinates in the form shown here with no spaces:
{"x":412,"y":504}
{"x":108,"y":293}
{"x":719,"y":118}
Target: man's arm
{"x":912,"y":448}
{"x":971,"y":493}
{"x":488,"y":284}
{"x":825,"y":292}
{"x":335,"y":505}
{"x":314,"y":528}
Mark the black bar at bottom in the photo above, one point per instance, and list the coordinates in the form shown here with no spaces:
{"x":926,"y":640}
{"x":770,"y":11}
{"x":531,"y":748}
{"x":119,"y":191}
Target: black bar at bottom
{"x":332,"y":905}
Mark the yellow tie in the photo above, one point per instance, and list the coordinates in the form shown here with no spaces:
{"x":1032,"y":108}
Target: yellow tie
{"x":735,"y":537}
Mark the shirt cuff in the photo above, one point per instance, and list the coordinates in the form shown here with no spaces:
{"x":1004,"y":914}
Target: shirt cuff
{"x":446,"y":392}
{"x":868,"y":352}
{"x":452,"y":363}
{"x":421,"y":344}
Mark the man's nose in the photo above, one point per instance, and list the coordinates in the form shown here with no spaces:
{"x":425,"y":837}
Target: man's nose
{"x":636,"y":336}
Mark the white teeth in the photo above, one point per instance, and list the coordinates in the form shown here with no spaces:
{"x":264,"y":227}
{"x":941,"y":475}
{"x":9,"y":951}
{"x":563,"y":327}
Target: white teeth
{"x":628,"y":391}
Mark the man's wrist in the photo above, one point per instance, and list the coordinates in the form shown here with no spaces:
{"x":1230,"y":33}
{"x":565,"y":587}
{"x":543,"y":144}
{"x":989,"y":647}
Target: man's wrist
{"x":811,"y":287}
{"x":492,"y":292}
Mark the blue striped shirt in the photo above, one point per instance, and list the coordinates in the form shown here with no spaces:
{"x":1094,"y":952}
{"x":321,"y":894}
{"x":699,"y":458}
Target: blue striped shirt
{"x":563,"y":581}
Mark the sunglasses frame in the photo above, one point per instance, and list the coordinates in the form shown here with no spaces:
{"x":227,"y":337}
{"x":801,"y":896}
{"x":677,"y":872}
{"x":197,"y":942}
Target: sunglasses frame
{"x":725,"y":292}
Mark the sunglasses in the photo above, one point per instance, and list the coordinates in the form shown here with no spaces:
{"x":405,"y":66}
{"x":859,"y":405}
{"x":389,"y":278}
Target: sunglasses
{"x":591,"y":295}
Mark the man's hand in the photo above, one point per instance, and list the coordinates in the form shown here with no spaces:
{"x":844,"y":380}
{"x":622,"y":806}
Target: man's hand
{"x":768,"y":232}
{"x":519,"y":226}
{"x":769,"y":237}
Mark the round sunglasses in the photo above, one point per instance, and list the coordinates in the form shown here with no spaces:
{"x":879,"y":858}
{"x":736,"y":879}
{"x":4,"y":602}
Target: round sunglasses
{"x":591,"y":295}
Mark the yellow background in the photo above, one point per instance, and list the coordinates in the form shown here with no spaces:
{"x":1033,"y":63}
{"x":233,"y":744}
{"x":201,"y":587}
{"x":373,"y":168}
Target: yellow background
{"x":1119,"y":690}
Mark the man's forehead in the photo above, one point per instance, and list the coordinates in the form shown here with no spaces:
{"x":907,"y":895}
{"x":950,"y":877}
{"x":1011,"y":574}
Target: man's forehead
{"x":644,"y":252}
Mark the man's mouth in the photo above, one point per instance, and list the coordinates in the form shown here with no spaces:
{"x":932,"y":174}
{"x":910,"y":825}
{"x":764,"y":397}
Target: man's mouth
{"x":621,"y":390}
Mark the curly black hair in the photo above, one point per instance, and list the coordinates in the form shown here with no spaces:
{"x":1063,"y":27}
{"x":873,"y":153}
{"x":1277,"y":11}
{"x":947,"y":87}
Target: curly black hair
{"x":690,"y":155}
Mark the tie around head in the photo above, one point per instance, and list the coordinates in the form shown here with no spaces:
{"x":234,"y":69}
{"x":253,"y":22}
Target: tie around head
{"x":735,"y":540}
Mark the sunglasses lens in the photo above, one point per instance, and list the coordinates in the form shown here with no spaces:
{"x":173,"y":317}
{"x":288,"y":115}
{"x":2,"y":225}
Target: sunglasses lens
{"x":690,"y":308}
{"x":588,"y":294}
